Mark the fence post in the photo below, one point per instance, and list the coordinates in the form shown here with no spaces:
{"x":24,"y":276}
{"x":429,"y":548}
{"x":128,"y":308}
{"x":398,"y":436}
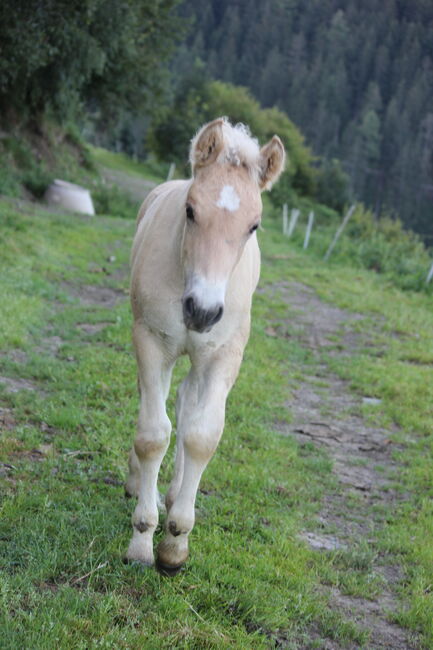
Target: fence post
{"x":430,"y":275}
{"x":309,"y":229}
{"x":171,"y":171}
{"x":339,"y":231}
{"x":285,"y":218}
{"x":293,"y":219}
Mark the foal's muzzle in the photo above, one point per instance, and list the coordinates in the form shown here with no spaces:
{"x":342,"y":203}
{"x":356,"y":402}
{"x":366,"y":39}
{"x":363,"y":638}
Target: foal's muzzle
{"x":198,"y":319}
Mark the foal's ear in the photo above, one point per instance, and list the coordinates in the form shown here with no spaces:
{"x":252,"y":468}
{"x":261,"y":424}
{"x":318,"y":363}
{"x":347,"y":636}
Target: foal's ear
{"x":272,"y":159}
{"x":207,"y":144}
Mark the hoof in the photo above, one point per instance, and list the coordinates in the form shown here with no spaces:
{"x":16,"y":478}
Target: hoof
{"x":172,"y":553}
{"x":168,"y":571}
{"x":137,"y":563}
{"x":140,"y":550}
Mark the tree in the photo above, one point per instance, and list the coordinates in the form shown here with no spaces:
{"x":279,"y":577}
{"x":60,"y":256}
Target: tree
{"x":369,"y":131}
{"x":172,"y":129}
{"x":62,"y":54}
{"x":271,"y":76}
{"x":197,"y":101}
{"x":355,"y":77}
{"x":332,"y":185}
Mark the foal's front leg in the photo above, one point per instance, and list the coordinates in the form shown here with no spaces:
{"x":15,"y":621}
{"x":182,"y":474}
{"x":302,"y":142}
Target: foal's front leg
{"x":151,"y":442}
{"x":201,"y":422}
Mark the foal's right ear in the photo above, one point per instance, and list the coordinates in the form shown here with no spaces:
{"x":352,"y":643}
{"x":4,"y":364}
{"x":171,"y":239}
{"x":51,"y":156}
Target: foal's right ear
{"x":207,"y":144}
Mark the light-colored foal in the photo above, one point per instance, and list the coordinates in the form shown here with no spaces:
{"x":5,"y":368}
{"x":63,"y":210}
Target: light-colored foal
{"x":195,"y":264}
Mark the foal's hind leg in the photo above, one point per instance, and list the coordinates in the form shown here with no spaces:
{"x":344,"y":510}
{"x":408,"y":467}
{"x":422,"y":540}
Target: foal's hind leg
{"x":151,"y":442}
{"x":200,"y":425}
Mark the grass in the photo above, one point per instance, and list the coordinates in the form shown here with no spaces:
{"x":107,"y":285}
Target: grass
{"x":381,"y":245}
{"x":151,"y":170}
{"x":401,"y":376}
{"x":250,"y":583}
{"x":65,"y":523}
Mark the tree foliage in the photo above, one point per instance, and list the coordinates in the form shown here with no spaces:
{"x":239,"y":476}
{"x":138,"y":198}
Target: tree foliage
{"x":61,"y":54}
{"x":355,"y":77}
{"x":332,"y":185}
{"x":197,"y":101}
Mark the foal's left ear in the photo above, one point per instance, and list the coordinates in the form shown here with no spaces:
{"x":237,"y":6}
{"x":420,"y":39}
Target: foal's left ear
{"x":207,"y":144}
{"x":272,"y":159}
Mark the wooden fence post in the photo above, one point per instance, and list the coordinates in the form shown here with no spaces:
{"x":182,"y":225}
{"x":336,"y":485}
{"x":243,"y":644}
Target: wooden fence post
{"x":293,"y":219}
{"x":171,"y":171}
{"x":339,"y":231}
{"x":430,"y":275}
{"x":309,"y":229}
{"x":285,"y":218}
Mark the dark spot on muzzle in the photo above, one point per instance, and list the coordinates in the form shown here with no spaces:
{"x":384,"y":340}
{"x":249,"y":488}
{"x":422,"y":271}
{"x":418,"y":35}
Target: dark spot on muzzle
{"x":198,"y":319}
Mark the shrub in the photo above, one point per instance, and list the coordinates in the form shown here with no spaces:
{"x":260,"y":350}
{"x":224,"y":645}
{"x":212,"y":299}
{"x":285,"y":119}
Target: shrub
{"x":36,"y":179}
{"x":110,"y":200}
{"x":9,"y":184}
{"x":384,"y":246}
{"x":332,"y":185}
{"x":22,"y":167}
{"x":74,"y":137}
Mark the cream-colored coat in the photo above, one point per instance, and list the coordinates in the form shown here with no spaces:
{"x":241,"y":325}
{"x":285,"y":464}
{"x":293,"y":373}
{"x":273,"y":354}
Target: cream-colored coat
{"x":195,"y":264}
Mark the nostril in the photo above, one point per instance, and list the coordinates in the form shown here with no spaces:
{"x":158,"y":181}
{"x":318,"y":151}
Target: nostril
{"x":217,"y":315}
{"x":189,"y":307}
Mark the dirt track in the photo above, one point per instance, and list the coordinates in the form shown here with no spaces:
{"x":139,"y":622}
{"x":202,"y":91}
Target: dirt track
{"x":135,"y":186}
{"x":363,"y":465}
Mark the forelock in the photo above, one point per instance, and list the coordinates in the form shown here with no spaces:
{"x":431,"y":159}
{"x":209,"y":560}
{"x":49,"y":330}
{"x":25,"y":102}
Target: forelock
{"x":240,"y":147}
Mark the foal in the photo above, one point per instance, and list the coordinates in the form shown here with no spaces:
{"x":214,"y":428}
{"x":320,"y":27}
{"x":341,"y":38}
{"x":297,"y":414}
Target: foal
{"x":195,"y":265}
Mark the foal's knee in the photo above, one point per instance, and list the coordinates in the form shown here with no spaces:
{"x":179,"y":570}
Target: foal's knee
{"x":152,"y":441}
{"x":201,"y":443}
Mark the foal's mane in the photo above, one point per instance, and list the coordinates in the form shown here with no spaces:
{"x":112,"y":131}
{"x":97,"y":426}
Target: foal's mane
{"x":240,"y":147}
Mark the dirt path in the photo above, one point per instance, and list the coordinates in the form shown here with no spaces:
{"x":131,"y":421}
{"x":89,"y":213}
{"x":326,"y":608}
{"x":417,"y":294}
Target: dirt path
{"x":328,"y":415}
{"x":135,"y":186}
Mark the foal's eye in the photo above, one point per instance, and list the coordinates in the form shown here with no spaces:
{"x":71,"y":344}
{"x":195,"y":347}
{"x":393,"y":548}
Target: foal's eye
{"x":253,"y":228}
{"x":189,"y":213}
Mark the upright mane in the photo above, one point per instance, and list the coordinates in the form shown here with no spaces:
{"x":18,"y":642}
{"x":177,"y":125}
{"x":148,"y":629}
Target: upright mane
{"x":240,"y":148}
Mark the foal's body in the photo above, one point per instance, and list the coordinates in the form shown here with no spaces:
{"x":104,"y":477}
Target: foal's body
{"x":195,"y":264}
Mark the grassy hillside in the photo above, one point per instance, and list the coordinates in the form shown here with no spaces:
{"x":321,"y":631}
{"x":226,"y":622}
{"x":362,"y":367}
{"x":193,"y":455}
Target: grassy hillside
{"x":255,"y":580}
{"x":30,"y":159}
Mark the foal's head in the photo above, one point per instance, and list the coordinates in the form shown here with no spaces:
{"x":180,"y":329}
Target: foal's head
{"x":223,"y":210}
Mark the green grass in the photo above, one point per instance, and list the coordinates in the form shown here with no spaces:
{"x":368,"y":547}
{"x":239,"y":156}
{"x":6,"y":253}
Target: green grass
{"x":381,"y":245}
{"x":151,"y":170}
{"x":250,"y":581}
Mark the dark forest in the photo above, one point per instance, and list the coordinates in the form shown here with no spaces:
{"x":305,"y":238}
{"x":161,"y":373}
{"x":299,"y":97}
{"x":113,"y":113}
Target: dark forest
{"x":355,"y":77}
